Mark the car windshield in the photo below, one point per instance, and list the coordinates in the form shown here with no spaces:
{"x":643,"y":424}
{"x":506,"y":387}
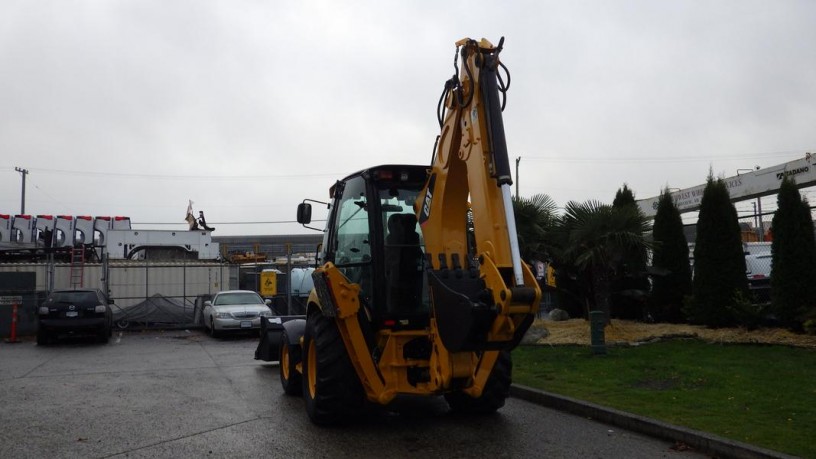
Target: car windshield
{"x":78,"y":298}
{"x":225,"y":299}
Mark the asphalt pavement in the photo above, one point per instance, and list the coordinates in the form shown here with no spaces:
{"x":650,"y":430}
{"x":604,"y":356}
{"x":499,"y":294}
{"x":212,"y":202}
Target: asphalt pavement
{"x":184,"y":394}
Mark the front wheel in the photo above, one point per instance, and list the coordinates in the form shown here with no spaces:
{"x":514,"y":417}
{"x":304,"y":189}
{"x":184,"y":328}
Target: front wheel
{"x":213,"y":332}
{"x":42,"y":337}
{"x":496,"y":390}
{"x":330,"y":385}
{"x":290,"y":356}
{"x":103,"y":335}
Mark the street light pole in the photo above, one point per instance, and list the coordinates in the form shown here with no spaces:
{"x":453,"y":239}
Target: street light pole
{"x":518,"y":160}
{"x":22,"y":172}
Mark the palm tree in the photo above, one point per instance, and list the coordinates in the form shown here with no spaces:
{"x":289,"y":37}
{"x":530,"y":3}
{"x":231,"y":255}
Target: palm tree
{"x":535,"y":217}
{"x":593,"y":240}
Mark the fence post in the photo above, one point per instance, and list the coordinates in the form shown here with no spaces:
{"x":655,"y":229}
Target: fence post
{"x":289,"y":279}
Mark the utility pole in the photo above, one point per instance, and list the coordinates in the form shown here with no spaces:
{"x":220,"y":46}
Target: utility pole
{"x":761,"y":223}
{"x":22,"y":172}
{"x":518,"y":160}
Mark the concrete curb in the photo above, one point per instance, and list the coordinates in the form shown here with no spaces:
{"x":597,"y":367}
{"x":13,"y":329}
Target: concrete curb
{"x":701,"y":441}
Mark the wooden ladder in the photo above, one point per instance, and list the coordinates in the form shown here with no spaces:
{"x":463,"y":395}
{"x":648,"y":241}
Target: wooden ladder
{"x":77,"y":266}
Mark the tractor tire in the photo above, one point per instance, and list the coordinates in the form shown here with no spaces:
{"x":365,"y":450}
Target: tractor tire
{"x":332,"y":390}
{"x":497,"y":389}
{"x":290,"y":356}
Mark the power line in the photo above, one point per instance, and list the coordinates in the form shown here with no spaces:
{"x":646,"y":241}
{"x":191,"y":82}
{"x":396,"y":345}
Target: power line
{"x":180,"y":177}
{"x":667,"y":159}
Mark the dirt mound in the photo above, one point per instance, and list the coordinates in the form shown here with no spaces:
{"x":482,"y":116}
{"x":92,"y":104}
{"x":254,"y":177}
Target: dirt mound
{"x":576,"y":331}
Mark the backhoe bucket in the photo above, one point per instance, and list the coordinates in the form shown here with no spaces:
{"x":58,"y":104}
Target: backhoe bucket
{"x":465,"y":313}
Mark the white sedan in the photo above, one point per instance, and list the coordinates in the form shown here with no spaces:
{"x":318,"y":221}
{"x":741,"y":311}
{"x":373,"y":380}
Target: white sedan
{"x":234,"y":310}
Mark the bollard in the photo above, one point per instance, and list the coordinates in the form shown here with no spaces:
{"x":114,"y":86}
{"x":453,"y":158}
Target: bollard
{"x":13,"y":337}
{"x":597,"y":322}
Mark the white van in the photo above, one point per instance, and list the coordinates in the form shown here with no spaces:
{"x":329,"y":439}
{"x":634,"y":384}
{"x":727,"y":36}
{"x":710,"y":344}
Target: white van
{"x":758,"y":270}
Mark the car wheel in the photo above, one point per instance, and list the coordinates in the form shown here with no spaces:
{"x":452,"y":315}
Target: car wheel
{"x":103,"y":335}
{"x":213,"y":332}
{"x":42,"y":338}
{"x":332,"y":390}
{"x":290,"y":356}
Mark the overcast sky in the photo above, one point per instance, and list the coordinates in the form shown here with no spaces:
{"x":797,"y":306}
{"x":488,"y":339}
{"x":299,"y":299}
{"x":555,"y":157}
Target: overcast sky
{"x":248,"y":107}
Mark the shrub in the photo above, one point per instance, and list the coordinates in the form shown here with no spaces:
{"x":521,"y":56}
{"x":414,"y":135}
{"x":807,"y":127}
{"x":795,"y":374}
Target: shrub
{"x":719,"y":261}
{"x":671,"y":258}
{"x":793,"y":265}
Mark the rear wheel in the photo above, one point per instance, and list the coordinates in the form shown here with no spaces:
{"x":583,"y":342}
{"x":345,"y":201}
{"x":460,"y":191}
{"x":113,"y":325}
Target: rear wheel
{"x":330,"y":385}
{"x":43,"y":337}
{"x":497,"y":389}
{"x":290,"y":356}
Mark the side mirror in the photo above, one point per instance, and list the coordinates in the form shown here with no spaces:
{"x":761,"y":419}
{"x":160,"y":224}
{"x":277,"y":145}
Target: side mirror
{"x":267,"y":301}
{"x":208,"y":303}
{"x":304,"y":213}
{"x":110,"y":300}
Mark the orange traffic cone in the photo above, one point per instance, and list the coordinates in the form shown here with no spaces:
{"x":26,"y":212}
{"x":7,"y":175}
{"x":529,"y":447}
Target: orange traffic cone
{"x":13,"y":337}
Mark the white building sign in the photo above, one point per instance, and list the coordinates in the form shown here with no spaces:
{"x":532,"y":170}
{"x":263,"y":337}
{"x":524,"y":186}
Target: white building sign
{"x":761,"y":182}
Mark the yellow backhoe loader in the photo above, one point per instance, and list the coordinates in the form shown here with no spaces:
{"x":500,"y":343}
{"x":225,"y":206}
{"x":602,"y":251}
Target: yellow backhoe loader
{"x":421,"y":289}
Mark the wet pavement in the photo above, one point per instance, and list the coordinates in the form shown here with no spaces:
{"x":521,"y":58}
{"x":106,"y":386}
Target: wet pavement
{"x":184,"y":394}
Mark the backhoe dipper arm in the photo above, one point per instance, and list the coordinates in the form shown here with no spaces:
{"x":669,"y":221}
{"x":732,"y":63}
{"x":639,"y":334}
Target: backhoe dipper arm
{"x":484,"y":297}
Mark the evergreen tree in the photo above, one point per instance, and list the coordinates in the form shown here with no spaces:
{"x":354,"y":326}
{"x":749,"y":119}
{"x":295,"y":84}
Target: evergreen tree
{"x":629,"y":283}
{"x":624,"y":197}
{"x":793,"y":265}
{"x":719,"y":260}
{"x":671,"y":257}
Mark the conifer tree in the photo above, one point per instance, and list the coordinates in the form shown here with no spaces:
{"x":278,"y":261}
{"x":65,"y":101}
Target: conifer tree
{"x":629,"y":284}
{"x":624,"y":196}
{"x":793,"y":265}
{"x":719,"y":260}
{"x":671,"y":257}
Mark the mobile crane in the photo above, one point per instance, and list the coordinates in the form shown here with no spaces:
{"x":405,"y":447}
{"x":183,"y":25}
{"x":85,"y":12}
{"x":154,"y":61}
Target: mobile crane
{"x":421,"y":289}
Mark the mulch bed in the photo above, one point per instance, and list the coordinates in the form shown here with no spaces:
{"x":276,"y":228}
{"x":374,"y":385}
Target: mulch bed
{"x":625,"y":332}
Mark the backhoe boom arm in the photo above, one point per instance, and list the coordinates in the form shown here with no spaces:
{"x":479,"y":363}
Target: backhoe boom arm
{"x":484,"y":297}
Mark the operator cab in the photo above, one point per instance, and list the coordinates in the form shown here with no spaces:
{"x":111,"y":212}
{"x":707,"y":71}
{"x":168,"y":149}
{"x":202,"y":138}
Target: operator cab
{"x":373,"y":237}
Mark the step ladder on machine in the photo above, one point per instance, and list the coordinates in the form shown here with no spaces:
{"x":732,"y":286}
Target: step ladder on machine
{"x":77,"y":266}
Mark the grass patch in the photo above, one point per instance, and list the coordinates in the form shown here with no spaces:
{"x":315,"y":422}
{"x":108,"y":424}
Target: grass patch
{"x":758,"y":394}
